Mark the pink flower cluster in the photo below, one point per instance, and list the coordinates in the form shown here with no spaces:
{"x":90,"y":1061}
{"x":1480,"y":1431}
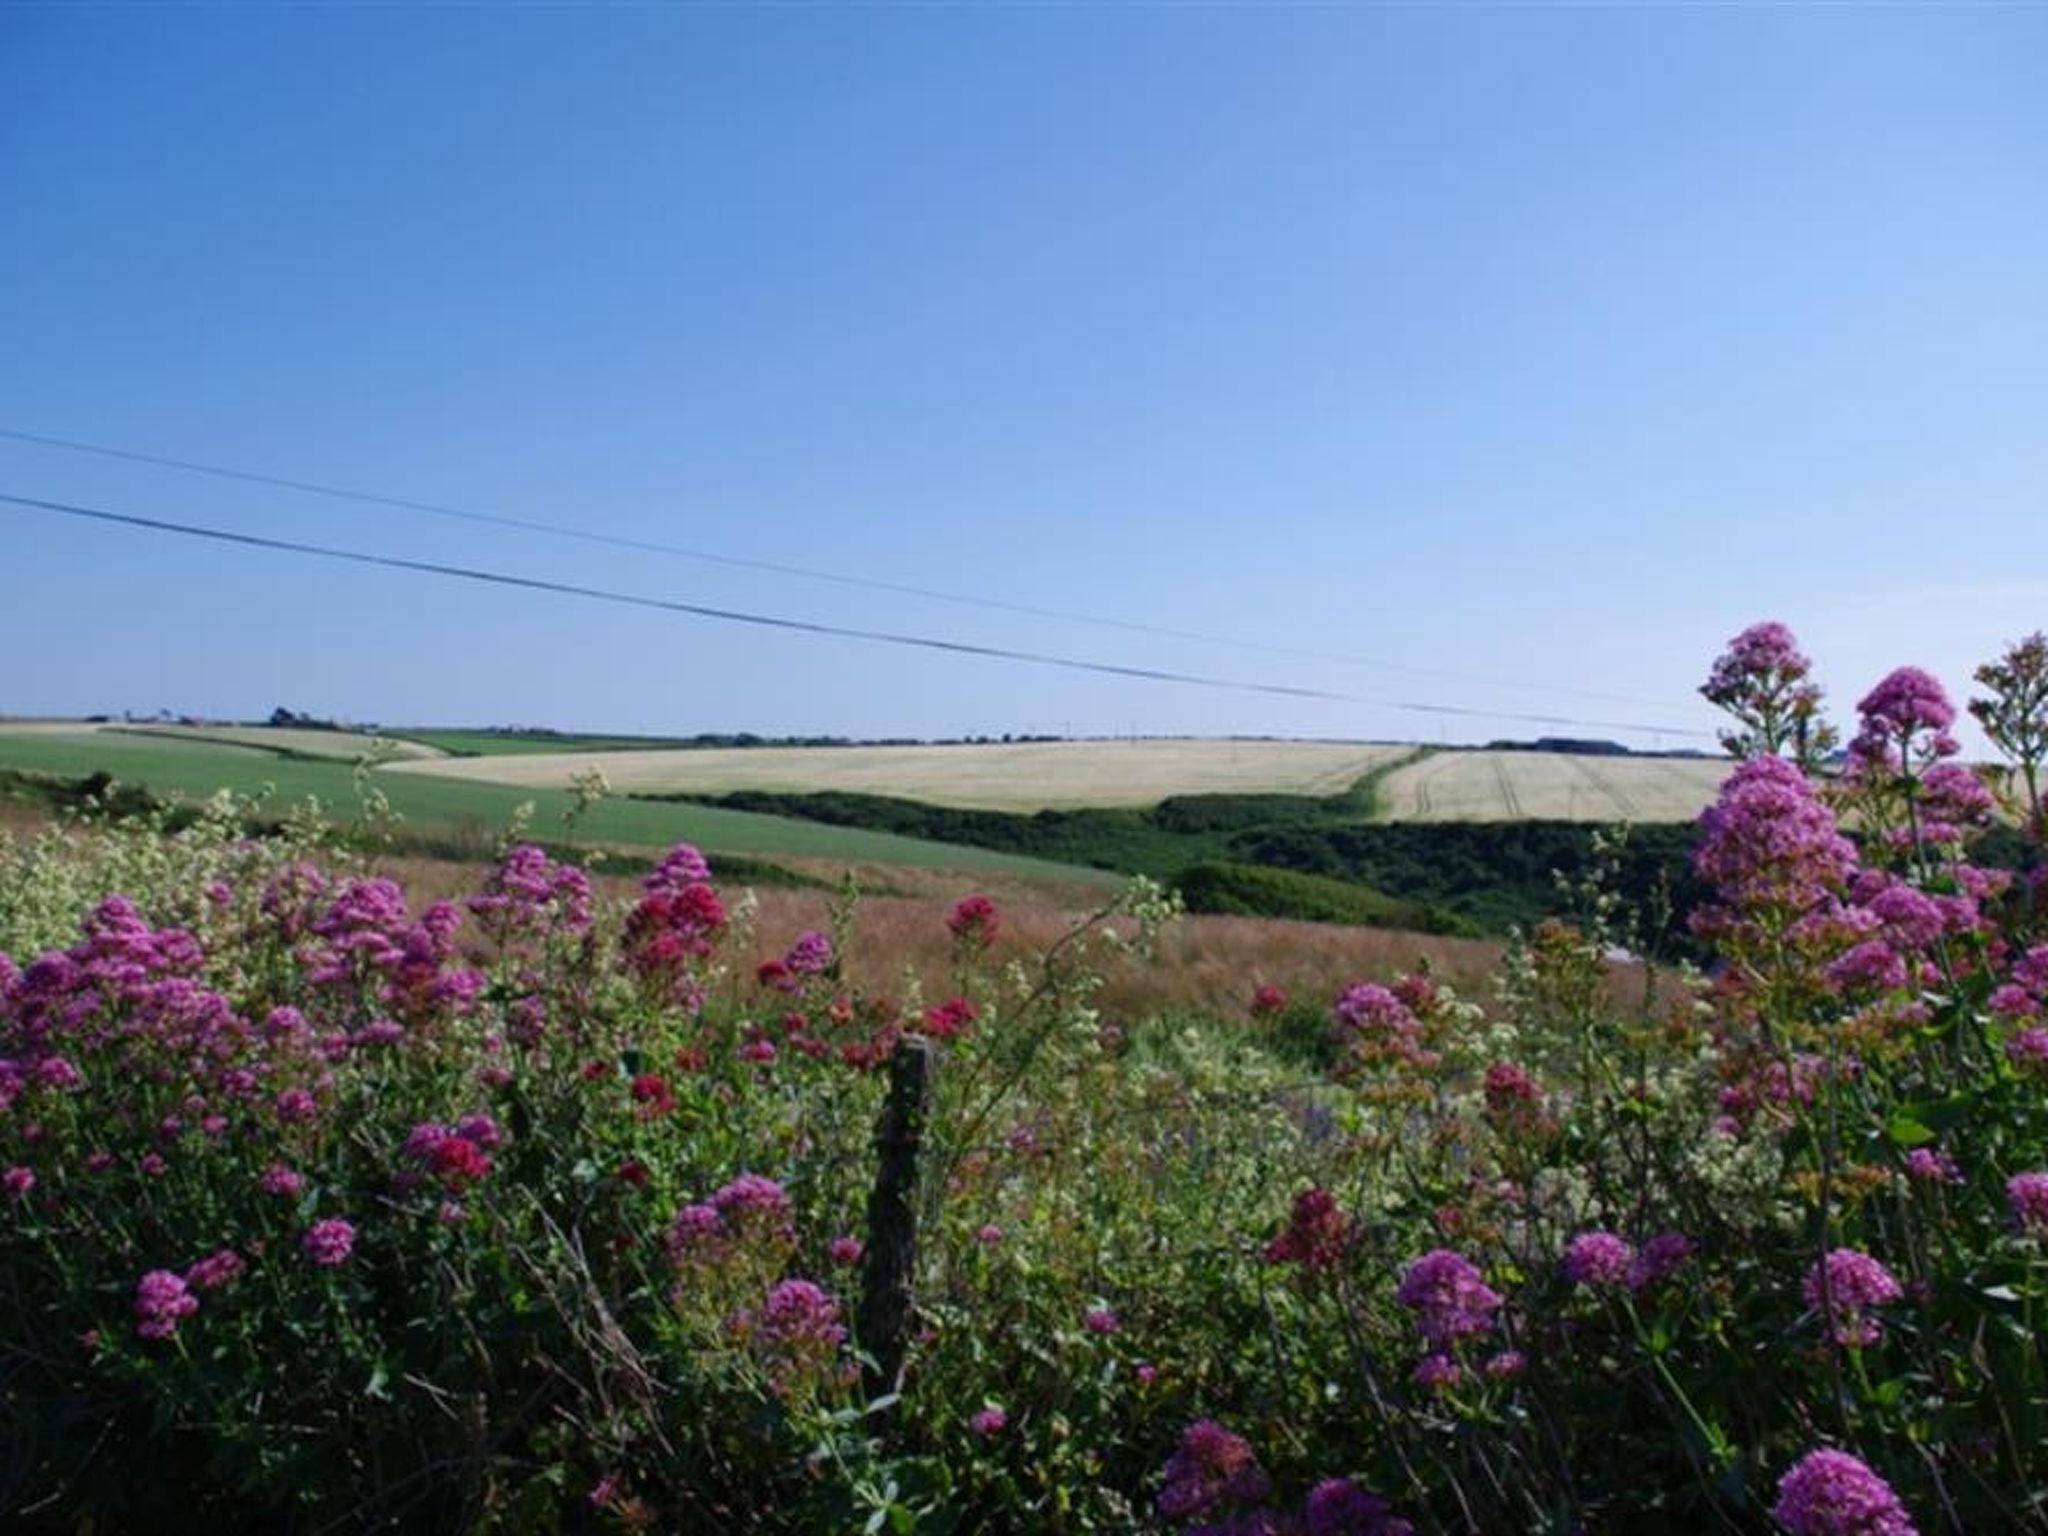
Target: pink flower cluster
{"x":1211,"y":1471}
{"x":974,"y":922}
{"x":1450,"y":1299}
{"x":529,"y":896}
{"x":1845,"y":1287}
{"x":1600,"y":1261}
{"x":795,"y":1332}
{"x":1831,"y":1493}
{"x":2027,"y":1195}
{"x":1379,"y":1026}
{"x":161,"y":1303}
{"x":370,"y":941}
{"x":749,"y":1211}
{"x":1770,"y":849}
{"x":1315,"y":1235}
{"x":677,"y":922}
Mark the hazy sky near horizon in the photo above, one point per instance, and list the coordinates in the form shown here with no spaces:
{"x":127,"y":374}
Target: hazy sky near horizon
{"x":1524,"y":354}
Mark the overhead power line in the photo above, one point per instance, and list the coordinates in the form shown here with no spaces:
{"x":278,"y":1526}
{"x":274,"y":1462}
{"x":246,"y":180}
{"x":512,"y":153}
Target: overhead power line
{"x":804,"y":626}
{"x":781,"y":568}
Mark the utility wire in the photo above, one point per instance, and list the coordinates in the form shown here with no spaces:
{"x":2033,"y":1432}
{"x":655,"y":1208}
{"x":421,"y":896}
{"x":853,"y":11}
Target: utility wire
{"x":770,"y":621}
{"x":808,"y":573}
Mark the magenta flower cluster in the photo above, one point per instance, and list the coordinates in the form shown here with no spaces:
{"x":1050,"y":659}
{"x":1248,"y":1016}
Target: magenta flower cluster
{"x":1845,"y":1287}
{"x":1831,"y":1493}
{"x":1450,"y":1299}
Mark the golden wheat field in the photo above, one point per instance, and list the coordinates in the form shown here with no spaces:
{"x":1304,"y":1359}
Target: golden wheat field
{"x":1007,"y":776}
{"x":1549,"y":786}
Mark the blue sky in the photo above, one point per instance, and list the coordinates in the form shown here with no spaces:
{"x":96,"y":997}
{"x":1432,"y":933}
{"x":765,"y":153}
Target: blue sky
{"x":1516,"y":350}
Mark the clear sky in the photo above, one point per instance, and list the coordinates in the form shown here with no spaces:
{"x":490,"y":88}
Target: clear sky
{"x":1514,"y":350}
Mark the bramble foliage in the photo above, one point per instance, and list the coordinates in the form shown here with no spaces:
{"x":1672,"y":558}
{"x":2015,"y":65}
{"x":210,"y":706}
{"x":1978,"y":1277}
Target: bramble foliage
{"x":535,"y":1212}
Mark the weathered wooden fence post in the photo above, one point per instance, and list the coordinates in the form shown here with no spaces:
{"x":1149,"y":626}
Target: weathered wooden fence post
{"x":889,"y":1267}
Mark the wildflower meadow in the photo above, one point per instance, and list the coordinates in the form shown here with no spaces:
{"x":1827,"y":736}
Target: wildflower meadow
{"x":326,"y":1209}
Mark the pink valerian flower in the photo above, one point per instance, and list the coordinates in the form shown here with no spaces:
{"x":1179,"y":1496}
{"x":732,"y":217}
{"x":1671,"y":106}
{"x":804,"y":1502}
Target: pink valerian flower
{"x":1268,"y":1001}
{"x":1831,"y":1493}
{"x":18,"y":1181}
{"x":1907,"y":702}
{"x":2011,"y":1001}
{"x":1661,"y":1258}
{"x":989,"y":1235}
{"x":751,"y":1210}
{"x":2031,"y":971}
{"x":161,"y":1303}
{"x":681,"y":867}
{"x":1211,"y":1471}
{"x":527,"y":897}
{"x":1512,"y":1095}
{"x":1770,"y":849}
{"x":58,"y":1073}
{"x":1844,"y":1287}
{"x":696,"y":1230}
{"x":1953,"y":799}
{"x":1598,"y":1260}
{"x":1339,"y":1507}
{"x":796,"y":1331}
{"x":329,"y":1243}
{"x":974,"y":922}
{"x":1101,"y":1320}
{"x":652,"y":1096}
{"x":1506,"y":1365}
{"x":1448,"y":1296}
{"x":989,"y":1423}
{"x":2027,"y":1195}
{"x":846,"y":1250}
{"x":777,"y":976}
{"x":2028,"y":1052}
{"x":666,"y":932}
{"x":950,"y":1019}
{"x":1909,"y":919}
{"x":1761,"y":679}
{"x":755,"y":1199}
{"x":372,"y":942}
{"x":1437,"y":1372}
{"x":1379,"y":1026}
{"x":1315,"y":1234}
{"x":1926,"y":1165}
{"x":457,"y":1162}
{"x":1872,"y":966}
{"x":286,"y":1183}
{"x":810,"y":955}
{"x":216,"y":1270}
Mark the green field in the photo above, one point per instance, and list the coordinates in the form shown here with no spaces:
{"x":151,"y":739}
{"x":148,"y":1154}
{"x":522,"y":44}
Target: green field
{"x":472,"y":743}
{"x":178,"y":765}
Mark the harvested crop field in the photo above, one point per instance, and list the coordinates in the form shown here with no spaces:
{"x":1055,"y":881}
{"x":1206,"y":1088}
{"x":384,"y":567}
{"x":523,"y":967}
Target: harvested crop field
{"x":345,"y":746}
{"x":1007,"y":776}
{"x":1549,"y":786}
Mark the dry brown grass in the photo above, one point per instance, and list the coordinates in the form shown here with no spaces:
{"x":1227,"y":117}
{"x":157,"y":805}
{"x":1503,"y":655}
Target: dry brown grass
{"x":1204,"y":964}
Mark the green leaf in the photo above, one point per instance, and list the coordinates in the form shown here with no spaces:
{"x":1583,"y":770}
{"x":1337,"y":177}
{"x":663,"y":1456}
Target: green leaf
{"x":1905,"y":1131}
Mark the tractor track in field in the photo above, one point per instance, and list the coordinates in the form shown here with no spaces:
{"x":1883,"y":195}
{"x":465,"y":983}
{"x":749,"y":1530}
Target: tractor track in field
{"x":1623,"y":802}
{"x":1508,"y":797}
